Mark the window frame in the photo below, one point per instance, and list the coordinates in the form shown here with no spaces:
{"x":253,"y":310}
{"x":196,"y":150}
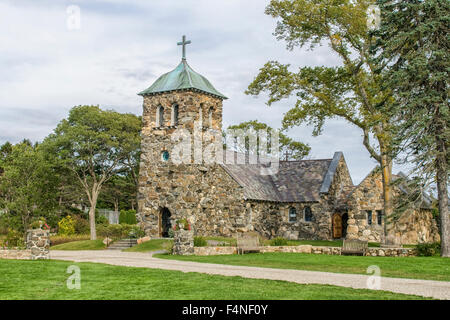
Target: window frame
{"x":292,"y":213}
{"x":175,"y":112}
{"x":369,"y":214}
{"x":379,"y":217}
{"x":310,"y":214}
{"x":159,"y":116}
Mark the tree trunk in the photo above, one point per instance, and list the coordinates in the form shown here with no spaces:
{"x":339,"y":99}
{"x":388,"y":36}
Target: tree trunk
{"x":386,"y":172}
{"x":441,"y":181}
{"x":92,"y":215}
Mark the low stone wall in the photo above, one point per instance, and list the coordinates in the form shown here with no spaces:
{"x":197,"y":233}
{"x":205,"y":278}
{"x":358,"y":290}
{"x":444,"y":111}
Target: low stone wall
{"x":391,"y":252}
{"x":15,"y":254}
{"x":38,"y":247}
{"x":214,"y":251}
{"x":374,"y":252}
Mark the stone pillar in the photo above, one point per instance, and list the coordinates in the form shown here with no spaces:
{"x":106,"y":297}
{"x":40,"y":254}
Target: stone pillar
{"x":38,"y":241}
{"x":183,"y":242}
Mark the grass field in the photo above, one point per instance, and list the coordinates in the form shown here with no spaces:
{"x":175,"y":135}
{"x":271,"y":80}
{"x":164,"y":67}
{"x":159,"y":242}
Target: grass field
{"x":429,"y":268}
{"x":152,"y":245}
{"x":47,"y":280}
{"x":81,"y":245}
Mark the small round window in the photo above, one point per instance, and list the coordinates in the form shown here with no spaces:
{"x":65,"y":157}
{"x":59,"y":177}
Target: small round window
{"x":165,"y":156}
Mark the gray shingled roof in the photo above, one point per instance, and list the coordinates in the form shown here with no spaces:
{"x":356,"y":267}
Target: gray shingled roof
{"x":295,"y":181}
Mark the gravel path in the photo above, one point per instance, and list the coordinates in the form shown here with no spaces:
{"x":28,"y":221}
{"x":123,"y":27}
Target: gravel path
{"x":426,"y":288}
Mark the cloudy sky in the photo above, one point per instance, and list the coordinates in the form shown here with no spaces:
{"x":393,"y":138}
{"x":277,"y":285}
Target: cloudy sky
{"x":48,"y":65}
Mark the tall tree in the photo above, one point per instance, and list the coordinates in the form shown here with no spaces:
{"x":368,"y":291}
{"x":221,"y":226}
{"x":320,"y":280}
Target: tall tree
{"x":351,"y":91}
{"x":95,"y":145}
{"x":414,"y":45}
{"x":295,"y":150}
{"x":27,"y":185}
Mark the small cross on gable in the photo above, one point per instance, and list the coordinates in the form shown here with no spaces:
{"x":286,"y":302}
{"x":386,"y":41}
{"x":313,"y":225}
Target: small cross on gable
{"x":286,"y":155}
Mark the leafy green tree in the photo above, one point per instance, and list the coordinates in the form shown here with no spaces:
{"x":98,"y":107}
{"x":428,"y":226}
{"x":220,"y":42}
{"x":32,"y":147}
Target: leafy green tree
{"x":94,"y":145}
{"x":414,"y":45}
{"x":119,"y":192}
{"x":27,"y":185}
{"x":352,"y":91}
{"x":294,"y":149}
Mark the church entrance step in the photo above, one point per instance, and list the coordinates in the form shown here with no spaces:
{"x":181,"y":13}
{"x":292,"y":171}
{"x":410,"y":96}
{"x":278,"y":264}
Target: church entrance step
{"x":122,"y":244}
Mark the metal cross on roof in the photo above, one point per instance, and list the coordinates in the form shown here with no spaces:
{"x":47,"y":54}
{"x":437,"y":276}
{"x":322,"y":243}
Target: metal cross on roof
{"x":287,"y":154}
{"x":184,"y":43}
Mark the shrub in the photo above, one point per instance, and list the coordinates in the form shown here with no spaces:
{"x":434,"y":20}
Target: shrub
{"x":428,"y":249}
{"x":81,"y":225}
{"x":14,"y":239}
{"x":119,"y":231}
{"x":171,"y":233}
{"x":200,"y":242}
{"x":278,"y":242}
{"x":136,"y":232}
{"x":66,"y":226}
{"x":60,"y":239}
{"x":127,"y":217}
{"x":101,"y":220}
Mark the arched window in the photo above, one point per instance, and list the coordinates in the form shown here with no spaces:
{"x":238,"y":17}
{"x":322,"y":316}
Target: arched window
{"x":292,"y":215}
{"x":174,"y":115}
{"x":308,"y":214}
{"x":210,"y":117}
{"x":369,"y":217}
{"x":160,"y":116}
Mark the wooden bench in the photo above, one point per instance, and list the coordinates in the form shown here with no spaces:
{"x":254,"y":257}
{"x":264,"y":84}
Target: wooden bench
{"x":356,"y":247}
{"x":247,"y":243}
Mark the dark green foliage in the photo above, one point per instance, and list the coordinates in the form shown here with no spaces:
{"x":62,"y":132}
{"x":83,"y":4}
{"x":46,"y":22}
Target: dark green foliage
{"x":278,"y":242}
{"x":14,"y":239}
{"x":428,"y":249}
{"x":413,"y":44}
{"x":28,"y":186}
{"x":120,"y":231}
{"x":81,"y":225}
{"x":94,"y":146}
{"x":100,"y":219}
{"x":127,"y":217}
{"x":200,"y":242}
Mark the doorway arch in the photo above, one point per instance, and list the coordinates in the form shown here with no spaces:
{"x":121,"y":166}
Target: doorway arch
{"x":344,"y":225}
{"x":164,"y":222}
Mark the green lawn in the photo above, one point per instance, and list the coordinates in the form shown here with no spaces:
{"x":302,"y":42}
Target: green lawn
{"x":430,"y":268}
{"x":151,"y":245}
{"x":81,"y":245}
{"x":47,"y":280}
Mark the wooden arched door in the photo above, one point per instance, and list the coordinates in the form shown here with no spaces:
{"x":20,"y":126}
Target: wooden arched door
{"x":337,"y":226}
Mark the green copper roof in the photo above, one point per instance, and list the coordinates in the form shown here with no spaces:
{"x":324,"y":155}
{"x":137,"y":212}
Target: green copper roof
{"x":182,"y":77}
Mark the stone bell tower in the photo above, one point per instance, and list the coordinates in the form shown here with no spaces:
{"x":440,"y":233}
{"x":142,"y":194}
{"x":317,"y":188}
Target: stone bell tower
{"x":179,"y":104}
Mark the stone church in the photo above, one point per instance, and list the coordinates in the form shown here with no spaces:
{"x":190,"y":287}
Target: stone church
{"x":307,"y":199}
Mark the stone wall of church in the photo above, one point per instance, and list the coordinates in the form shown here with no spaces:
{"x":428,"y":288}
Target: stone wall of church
{"x":271,"y":219}
{"x":413,"y":226}
{"x":202,"y":193}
